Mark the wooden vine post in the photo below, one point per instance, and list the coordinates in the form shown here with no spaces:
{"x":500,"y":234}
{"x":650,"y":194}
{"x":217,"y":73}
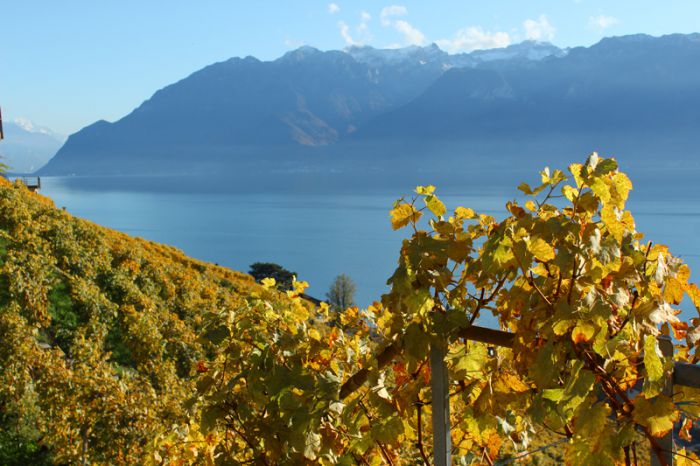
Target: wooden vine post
{"x":684,"y":374}
{"x":439,"y":385}
{"x":666,"y":442}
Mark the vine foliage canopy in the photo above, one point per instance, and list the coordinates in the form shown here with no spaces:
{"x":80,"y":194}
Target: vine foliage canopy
{"x":585,"y":295}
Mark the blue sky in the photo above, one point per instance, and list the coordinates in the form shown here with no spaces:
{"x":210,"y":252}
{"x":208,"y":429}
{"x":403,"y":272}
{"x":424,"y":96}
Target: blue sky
{"x":65,"y":64}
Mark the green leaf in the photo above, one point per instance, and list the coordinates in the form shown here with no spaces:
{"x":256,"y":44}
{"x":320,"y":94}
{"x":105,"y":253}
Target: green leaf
{"x":605,"y":166}
{"x":210,"y":417}
{"x":554,"y":394}
{"x":218,"y":334}
{"x":204,"y":384}
{"x":388,"y":430}
{"x":545,"y":368}
{"x":592,"y":442}
{"x":577,"y":387}
{"x":416,"y":342}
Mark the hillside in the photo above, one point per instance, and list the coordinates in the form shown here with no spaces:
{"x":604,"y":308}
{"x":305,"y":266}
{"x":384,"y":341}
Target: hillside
{"x":99,"y":334}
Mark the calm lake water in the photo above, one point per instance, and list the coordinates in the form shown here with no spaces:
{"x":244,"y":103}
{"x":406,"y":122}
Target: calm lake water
{"x":322,"y":234}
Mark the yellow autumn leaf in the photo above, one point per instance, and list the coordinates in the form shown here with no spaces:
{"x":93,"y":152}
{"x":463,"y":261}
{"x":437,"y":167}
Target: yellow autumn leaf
{"x":541,"y":249}
{"x":619,"y":189}
{"x":601,"y":188}
{"x":402,"y":215}
{"x":425,"y":190}
{"x":657,"y":414}
{"x":673,"y":292}
{"x":683,"y":274}
{"x":694,"y":294}
{"x":435,"y":205}
{"x":612,"y":223}
{"x":583,"y":332}
{"x":268,"y":282}
{"x":569,"y":192}
{"x":576,"y":169}
{"x":652,"y":361}
{"x":463,"y":212}
{"x":314,"y":334}
{"x":507,"y":382}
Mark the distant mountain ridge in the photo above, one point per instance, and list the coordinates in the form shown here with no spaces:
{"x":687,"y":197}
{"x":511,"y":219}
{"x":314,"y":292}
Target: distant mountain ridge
{"x":28,"y":147}
{"x":311,"y":106}
{"x":628,"y":84}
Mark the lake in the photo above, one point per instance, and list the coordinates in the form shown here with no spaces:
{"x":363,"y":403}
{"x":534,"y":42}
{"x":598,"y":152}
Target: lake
{"x":322,"y":233}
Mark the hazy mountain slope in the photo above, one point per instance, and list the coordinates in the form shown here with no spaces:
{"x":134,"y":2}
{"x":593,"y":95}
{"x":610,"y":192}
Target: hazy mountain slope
{"x":27,"y":148}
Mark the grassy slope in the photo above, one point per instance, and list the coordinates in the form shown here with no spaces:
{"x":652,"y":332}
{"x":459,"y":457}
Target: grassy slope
{"x":99,"y":333}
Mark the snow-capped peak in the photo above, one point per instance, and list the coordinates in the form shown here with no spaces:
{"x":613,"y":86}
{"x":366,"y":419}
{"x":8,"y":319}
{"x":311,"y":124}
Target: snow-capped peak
{"x":27,"y":125}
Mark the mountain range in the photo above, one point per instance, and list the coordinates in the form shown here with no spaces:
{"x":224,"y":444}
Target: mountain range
{"x":311,"y":110}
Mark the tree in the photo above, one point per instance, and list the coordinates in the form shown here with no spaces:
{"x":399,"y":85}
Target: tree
{"x":342,"y":293}
{"x":282,"y":276}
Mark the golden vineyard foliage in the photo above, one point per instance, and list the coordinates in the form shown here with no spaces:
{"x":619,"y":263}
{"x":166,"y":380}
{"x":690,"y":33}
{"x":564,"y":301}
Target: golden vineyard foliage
{"x":584,"y":293}
{"x":100,"y":335}
{"x":123,"y":351}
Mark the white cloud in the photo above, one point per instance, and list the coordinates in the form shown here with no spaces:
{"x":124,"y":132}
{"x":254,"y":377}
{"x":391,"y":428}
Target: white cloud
{"x":363,"y":27}
{"x":345,"y":33}
{"x":539,"y":30}
{"x":602,"y":22}
{"x":361,"y":35}
{"x":293,"y":43}
{"x":411,"y":35}
{"x":393,"y":10}
{"x":333,"y":8}
{"x":474,"y":38}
